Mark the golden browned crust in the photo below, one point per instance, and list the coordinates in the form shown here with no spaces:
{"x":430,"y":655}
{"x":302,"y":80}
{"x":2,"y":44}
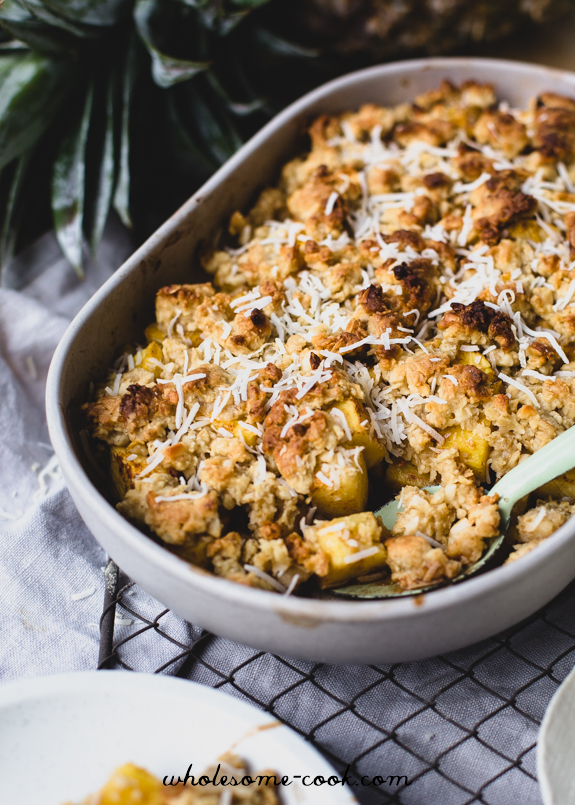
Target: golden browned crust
{"x":555,"y":128}
{"x":502,"y":131}
{"x":469,"y":321}
{"x":499,"y":202}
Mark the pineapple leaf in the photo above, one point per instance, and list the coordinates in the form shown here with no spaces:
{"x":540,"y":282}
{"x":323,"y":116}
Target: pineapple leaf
{"x":31,"y":90}
{"x":166,"y":70}
{"x":280,"y":46}
{"x":122,"y":194}
{"x":249,"y":4}
{"x":8,"y":231}
{"x":214,"y":16}
{"x":68,"y":185}
{"x":40,"y":37}
{"x":90,"y":12}
{"x":186,"y":148}
{"x":237,"y":108}
{"x":39,"y":10}
{"x":211,"y":124}
{"x":102,"y":160}
{"x":12,"y":47}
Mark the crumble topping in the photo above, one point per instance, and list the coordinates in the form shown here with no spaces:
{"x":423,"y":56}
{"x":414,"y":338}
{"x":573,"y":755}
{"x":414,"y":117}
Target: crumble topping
{"x":397,"y":312}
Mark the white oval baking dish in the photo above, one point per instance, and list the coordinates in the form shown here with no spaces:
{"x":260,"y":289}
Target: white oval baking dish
{"x":328,"y":631}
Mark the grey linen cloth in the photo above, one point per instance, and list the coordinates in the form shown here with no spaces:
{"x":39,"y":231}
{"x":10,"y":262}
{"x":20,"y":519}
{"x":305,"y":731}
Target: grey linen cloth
{"x":51,"y":579}
{"x":463,"y":727}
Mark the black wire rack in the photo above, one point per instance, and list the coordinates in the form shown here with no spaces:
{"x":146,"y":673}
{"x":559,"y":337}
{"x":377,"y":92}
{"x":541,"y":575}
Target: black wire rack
{"x":462,"y":727}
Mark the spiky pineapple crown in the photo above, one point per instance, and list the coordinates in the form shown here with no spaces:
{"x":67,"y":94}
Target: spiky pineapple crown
{"x":133,"y":103}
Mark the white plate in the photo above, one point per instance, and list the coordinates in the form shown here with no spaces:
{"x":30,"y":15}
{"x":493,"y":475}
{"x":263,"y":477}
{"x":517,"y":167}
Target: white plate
{"x":555,"y":766}
{"x":61,"y":736}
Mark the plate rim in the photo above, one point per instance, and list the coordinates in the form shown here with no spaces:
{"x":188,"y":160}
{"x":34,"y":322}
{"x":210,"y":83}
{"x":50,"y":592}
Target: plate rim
{"x":553,"y":707}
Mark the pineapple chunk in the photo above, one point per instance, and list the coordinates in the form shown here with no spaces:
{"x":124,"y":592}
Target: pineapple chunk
{"x":358,"y":422}
{"x":154,"y":333}
{"x":476,"y":359}
{"x":344,"y":538}
{"x":130,"y":785}
{"x":195,"y":551}
{"x":250,"y":438}
{"x":236,"y":429}
{"x":154,"y":351}
{"x":123,"y":471}
{"x":561,"y":487}
{"x":473,"y":448}
{"x":348,"y":498}
{"x":402,"y":474}
{"x":528,"y":230}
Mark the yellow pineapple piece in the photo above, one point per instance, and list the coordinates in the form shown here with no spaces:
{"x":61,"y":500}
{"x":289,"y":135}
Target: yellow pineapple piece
{"x":458,"y":116}
{"x":476,"y":359}
{"x":154,"y":333}
{"x":123,"y":470}
{"x":344,"y":538}
{"x":195,"y":551}
{"x":358,"y":422}
{"x":237,"y":428}
{"x":250,"y":437}
{"x":152,"y":351}
{"x":195,"y":338}
{"x":473,"y":448}
{"x":130,"y":785}
{"x":528,"y":230}
{"x":349,"y":497}
{"x":400,"y":474}
{"x":561,"y":487}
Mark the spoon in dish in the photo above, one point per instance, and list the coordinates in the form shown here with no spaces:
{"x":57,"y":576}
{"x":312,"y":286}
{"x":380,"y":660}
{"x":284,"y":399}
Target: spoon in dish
{"x":554,"y":459}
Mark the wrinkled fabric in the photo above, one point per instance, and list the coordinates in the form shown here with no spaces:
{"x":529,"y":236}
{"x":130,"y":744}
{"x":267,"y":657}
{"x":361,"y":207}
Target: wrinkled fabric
{"x":457,"y":725}
{"x":47,"y":554}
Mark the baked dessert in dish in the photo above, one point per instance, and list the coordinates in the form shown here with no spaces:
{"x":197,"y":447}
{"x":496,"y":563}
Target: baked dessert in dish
{"x":396,"y":312}
{"x":132,"y":785}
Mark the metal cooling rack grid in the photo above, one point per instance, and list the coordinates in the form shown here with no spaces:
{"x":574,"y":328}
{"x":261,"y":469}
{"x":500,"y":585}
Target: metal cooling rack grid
{"x":463,"y":727}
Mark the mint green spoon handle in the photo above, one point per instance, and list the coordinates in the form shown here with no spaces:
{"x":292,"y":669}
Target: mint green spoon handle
{"x":541,"y":467}
{"x":547,"y":463}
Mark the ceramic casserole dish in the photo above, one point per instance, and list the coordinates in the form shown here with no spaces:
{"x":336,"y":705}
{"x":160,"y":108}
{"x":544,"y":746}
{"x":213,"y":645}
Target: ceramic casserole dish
{"x":319,"y":630}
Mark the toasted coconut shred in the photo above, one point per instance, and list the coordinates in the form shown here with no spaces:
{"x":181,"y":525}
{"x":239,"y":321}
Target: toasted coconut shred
{"x":399,"y":311}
